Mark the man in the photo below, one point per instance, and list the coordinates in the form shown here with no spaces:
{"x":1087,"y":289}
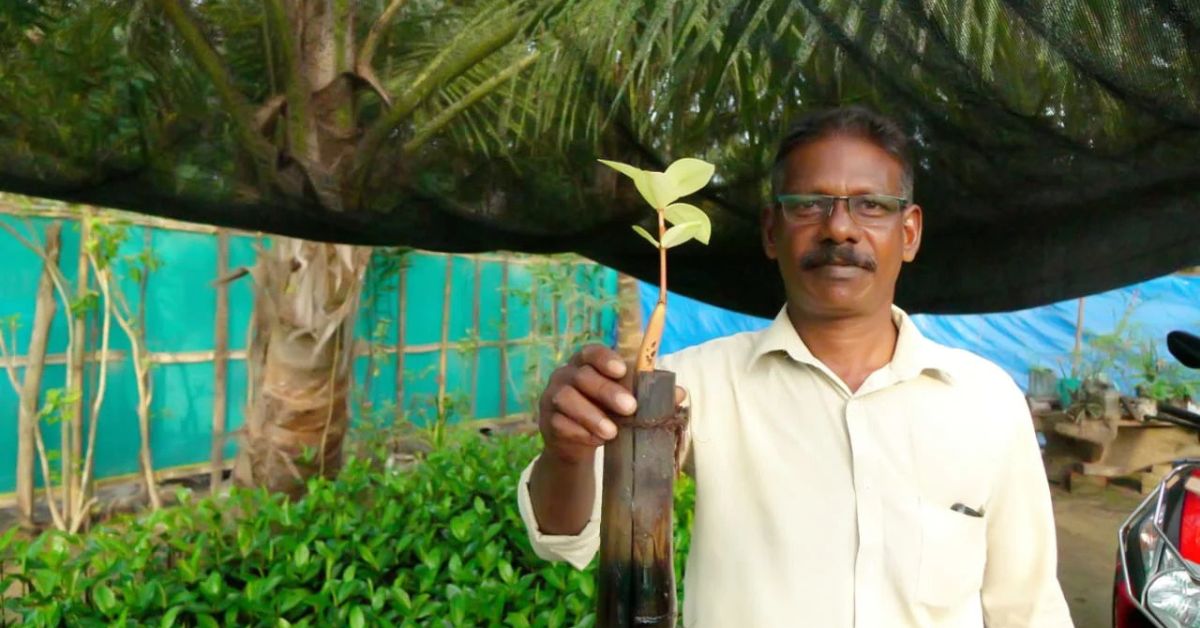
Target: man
{"x":849,"y":472}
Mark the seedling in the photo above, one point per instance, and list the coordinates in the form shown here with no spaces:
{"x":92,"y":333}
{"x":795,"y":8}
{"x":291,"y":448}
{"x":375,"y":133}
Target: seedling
{"x":662,"y":190}
{"x":636,"y":581}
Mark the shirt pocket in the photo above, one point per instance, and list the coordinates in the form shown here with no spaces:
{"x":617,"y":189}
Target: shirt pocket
{"x":953,"y":553}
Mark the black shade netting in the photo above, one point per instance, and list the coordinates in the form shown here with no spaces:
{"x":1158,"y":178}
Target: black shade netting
{"x":1058,"y":142}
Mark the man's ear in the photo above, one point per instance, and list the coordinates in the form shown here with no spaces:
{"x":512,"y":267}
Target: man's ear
{"x":767,"y":224}
{"x":913,"y":222}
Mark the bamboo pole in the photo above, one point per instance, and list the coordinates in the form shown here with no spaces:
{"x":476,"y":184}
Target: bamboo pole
{"x":43,"y":316}
{"x":475,"y":325}
{"x":534,"y":353}
{"x":220,"y":363}
{"x":200,"y":357}
{"x":401,"y":306}
{"x":504,"y":338}
{"x":447,"y":287}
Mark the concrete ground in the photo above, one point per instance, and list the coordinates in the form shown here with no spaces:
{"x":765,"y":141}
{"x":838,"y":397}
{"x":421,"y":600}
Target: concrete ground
{"x":1087,"y":545}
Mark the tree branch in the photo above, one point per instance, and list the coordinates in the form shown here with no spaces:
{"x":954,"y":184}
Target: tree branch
{"x":210,"y":62}
{"x":448,"y":114}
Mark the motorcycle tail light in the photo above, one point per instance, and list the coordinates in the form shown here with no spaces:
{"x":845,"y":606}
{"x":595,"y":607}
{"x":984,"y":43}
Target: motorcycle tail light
{"x":1189,"y":524}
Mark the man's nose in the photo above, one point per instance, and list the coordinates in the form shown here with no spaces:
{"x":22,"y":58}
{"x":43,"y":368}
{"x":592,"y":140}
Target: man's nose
{"x":839,"y":226}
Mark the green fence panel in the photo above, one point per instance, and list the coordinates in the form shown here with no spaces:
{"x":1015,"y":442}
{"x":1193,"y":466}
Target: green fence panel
{"x":179,"y":308}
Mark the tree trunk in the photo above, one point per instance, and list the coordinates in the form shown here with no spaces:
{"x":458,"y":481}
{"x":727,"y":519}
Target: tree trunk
{"x":307,"y":295}
{"x":27,"y":417}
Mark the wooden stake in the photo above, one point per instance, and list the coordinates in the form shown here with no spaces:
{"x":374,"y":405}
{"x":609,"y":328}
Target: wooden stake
{"x":504,"y":338}
{"x":637,"y":576}
{"x":534,"y":353}
{"x":220,"y":363}
{"x":401,"y":305}
{"x":43,"y":316}
{"x":137,"y":340}
{"x":447,"y":287}
{"x":478,"y":337}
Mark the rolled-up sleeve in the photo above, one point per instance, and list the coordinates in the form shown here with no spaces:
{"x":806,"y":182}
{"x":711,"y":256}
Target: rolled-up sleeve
{"x":577,"y":549}
{"x":1020,"y":586}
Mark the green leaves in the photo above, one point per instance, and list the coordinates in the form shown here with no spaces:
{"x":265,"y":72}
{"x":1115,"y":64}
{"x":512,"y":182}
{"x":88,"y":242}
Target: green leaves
{"x":441,"y":542}
{"x":106,"y":601}
{"x":680,"y":214}
{"x":662,"y":189}
{"x":645,"y":234}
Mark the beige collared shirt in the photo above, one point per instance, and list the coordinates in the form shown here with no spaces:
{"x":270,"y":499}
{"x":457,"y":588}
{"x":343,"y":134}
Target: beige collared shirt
{"x":818,"y":506}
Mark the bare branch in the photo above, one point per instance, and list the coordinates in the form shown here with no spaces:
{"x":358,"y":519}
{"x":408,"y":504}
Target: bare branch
{"x":46,"y":483}
{"x":102,"y":278}
{"x":448,"y":114}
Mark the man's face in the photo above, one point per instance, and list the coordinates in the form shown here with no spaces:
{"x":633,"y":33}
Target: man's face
{"x":836,"y":268}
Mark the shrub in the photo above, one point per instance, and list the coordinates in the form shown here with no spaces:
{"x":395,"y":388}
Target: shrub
{"x":440,"y":545}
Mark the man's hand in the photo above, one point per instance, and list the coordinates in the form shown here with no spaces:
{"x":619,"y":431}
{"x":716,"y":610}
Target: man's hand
{"x":573,"y":414}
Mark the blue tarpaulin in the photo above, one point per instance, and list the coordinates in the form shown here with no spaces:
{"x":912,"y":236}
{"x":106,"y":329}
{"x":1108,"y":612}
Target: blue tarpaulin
{"x":1017,"y":341}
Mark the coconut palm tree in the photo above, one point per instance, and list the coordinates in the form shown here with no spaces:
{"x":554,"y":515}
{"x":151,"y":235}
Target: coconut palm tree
{"x":474,"y":125}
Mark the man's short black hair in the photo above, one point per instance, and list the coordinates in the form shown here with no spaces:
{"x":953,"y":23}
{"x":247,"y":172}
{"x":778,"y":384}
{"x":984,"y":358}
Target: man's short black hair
{"x":853,"y":121}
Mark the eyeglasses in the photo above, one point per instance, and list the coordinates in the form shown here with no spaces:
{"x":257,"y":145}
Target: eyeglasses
{"x":868,"y":210}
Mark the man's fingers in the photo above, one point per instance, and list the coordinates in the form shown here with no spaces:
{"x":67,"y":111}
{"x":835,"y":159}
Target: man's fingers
{"x":680,"y":395}
{"x":570,"y":402}
{"x":567,"y":430}
{"x":600,"y":389}
{"x":603,"y":359}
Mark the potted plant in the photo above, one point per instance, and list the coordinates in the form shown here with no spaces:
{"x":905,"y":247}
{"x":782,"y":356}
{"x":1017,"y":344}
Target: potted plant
{"x":636,"y":576}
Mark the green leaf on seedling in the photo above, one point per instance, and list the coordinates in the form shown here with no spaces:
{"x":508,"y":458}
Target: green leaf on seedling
{"x":679,"y":213}
{"x":663,"y":188}
{"x":301,"y":556}
{"x":640,"y":178}
{"x":688,"y":175}
{"x":645,"y":234}
{"x":680,"y":233}
{"x":168,"y":619}
{"x":356,"y":618}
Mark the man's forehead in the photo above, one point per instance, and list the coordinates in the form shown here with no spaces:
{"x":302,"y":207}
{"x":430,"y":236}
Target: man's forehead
{"x":842,"y":162}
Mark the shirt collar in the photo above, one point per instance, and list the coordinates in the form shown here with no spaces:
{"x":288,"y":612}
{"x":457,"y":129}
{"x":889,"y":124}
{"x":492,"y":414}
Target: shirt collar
{"x":914,"y":354}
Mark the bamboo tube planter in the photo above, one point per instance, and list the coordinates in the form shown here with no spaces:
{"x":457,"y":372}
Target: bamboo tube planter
{"x":637,"y":559}
{"x":637,"y":573}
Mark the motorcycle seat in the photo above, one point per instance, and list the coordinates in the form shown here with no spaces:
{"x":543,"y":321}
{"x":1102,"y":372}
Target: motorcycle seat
{"x":1185,"y":347}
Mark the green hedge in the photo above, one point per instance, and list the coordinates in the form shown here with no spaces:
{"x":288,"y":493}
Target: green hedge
{"x":440,"y":545}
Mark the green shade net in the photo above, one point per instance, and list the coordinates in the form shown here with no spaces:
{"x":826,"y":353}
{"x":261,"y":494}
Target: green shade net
{"x":1057,"y":141}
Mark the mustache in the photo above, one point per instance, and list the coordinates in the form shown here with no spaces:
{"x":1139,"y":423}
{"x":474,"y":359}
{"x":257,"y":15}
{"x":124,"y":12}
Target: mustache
{"x":843,"y":254}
